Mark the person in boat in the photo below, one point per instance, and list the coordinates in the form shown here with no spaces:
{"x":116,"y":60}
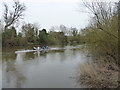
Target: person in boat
{"x":34,"y":48}
{"x":38,"y":48}
{"x":43,"y":47}
{"x":47,"y":47}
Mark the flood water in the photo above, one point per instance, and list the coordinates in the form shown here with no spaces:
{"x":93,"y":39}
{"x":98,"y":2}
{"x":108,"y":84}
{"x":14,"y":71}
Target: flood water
{"x":56,"y":68}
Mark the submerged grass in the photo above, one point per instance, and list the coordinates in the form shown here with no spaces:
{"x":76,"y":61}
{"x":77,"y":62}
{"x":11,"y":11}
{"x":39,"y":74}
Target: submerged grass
{"x":99,"y":76}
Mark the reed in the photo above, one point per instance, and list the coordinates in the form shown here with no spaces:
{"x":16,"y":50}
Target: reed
{"x":98,"y":76}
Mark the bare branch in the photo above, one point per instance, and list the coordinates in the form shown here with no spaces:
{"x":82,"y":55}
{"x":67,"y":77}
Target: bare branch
{"x":13,"y":16}
{"x":102,"y":12}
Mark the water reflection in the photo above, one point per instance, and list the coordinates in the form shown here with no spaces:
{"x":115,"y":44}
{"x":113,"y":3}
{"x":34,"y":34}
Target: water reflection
{"x":12,"y":75}
{"x":51,"y":69}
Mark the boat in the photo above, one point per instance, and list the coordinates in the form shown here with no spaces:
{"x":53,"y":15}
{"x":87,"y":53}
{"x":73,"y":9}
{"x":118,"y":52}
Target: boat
{"x":24,"y":51}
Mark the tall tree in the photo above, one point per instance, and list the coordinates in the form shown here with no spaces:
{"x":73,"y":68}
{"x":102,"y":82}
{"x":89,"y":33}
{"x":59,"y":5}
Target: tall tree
{"x":42,"y":36}
{"x":12,"y":16}
{"x":29,"y":32}
{"x":103,"y":12}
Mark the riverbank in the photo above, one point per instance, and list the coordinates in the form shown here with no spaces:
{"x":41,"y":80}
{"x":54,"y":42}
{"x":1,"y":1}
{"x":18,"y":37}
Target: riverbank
{"x":100,"y":75}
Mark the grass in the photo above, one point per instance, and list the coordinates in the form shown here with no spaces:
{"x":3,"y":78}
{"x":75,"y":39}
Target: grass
{"x":98,"y":76}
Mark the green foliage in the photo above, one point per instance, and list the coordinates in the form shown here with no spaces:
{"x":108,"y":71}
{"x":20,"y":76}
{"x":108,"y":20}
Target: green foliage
{"x":10,"y":38}
{"x":102,"y":44}
{"x":57,"y":38}
{"x":29,"y":31}
{"x":75,"y":38}
{"x":42,"y":37}
{"x":74,"y":32}
{"x":20,"y":35}
{"x":29,"y":36}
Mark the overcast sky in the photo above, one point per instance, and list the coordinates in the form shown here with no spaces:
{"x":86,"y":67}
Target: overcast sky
{"x":52,"y":12}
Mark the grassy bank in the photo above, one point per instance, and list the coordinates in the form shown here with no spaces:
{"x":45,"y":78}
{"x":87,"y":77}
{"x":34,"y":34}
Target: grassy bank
{"x":100,"y":75}
{"x":101,"y":39}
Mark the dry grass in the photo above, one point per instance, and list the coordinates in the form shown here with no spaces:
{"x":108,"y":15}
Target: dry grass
{"x":93,"y":76}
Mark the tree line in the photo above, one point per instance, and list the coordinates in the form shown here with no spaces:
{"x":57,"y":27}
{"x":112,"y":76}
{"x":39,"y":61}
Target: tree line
{"x":30,"y":33}
{"x":32,"y":36}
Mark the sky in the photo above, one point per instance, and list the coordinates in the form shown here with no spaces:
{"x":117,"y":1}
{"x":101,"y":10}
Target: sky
{"x":49,"y":13}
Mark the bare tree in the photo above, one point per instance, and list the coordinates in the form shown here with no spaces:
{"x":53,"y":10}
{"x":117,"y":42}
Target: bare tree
{"x":63,"y":28}
{"x":53,"y":28}
{"x":36,"y":28}
{"x":11,"y":17}
{"x":102,"y":12}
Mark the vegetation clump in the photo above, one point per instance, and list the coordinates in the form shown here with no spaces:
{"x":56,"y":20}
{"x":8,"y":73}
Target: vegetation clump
{"x":101,"y":42}
{"x":92,"y":76}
